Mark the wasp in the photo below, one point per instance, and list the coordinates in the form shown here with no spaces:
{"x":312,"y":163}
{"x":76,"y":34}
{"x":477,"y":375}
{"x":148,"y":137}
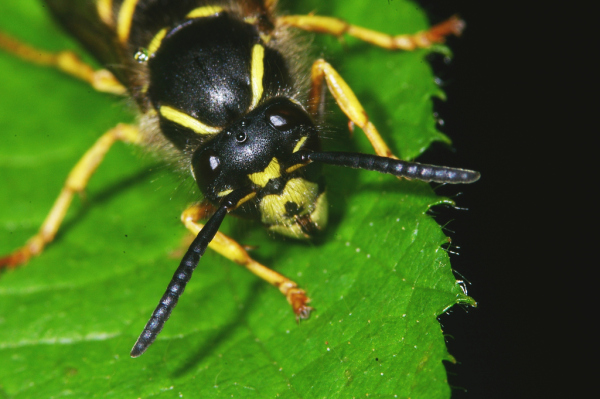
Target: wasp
{"x":219,"y":89}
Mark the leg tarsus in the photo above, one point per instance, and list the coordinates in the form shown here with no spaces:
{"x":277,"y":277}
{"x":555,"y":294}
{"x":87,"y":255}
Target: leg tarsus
{"x":76,"y":182}
{"x":452,"y":26}
{"x":232,"y":250}
{"x":338,"y":27}
{"x":22,"y":255}
{"x":298,"y":299}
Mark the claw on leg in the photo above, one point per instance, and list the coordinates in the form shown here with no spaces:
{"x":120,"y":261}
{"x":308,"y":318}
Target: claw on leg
{"x":232,"y":250}
{"x":298,"y":299}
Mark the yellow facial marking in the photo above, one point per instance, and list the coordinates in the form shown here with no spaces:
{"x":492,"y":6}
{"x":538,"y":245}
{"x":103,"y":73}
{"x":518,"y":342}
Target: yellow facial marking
{"x":156,"y":41}
{"x":206,"y":11}
{"x":305,"y":195}
{"x":294,"y":167}
{"x":245,"y":199}
{"x":187,"y":121}
{"x":272,"y":171}
{"x":105,"y":11}
{"x":224,"y":193}
{"x":257,"y":70}
{"x":300,"y":143}
{"x":124,"y":19}
{"x":299,"y":191}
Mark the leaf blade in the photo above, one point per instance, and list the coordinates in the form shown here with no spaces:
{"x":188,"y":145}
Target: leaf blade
{"x":378,"y":277}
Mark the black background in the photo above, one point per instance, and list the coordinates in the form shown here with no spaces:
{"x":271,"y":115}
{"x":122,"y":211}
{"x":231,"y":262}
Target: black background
{"x":507,"y":347}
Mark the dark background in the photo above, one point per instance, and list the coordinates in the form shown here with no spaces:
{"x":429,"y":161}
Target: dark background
{"x":496,"y":84}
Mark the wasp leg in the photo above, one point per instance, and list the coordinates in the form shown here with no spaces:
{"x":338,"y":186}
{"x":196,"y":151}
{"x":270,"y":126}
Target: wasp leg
{"x":66,"y":61}
{"x":232,"y":250}
{"x":346,"y":100}
{"x":338,"y":27}
{"x":76,"y":183}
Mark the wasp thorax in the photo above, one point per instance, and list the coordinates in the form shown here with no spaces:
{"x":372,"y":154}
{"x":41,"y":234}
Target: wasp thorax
{"x":254,"y":150}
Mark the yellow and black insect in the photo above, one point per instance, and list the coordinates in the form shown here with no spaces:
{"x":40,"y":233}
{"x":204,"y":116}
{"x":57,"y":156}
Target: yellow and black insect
{"x":220,"y":89}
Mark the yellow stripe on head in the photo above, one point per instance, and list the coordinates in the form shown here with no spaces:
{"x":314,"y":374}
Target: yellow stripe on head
{"x":257,"y":70}
{"x":205,"y":11}
{"x":245,"y":199}
{"x":125,"y":18}
{"x":300,"y":143}
{"x":187,"y":121}
{"x":224,"y":193}
{"x":272,"y":171}
{"x":294,"y":167}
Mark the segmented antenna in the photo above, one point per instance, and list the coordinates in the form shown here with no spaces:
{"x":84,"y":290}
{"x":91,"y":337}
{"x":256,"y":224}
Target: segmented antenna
{"x":411,"y":170}
{"x":182,"y":276}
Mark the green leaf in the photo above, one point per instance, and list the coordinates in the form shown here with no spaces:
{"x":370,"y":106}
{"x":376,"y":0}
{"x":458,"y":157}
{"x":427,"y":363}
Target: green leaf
{"x":378,"y":277}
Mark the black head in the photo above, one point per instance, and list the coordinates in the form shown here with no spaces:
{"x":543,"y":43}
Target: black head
{"x":275,"y":129}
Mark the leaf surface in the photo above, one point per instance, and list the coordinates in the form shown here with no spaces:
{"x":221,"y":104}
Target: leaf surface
{"x":378,"y":277}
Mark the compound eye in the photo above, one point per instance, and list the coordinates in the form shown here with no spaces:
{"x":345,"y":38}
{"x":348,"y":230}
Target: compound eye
{"x":285,"y":117}
{"x":240,"y":137}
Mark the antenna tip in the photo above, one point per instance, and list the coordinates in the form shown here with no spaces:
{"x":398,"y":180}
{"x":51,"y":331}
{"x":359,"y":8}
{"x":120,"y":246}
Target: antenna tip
{"x":138,"y":350}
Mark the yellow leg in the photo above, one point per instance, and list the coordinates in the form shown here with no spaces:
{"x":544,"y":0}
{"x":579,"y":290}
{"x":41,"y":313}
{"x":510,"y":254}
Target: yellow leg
{"x":338,"y":27}
{"x":76,"y":182}
{"x":65,"y":61}
{"x":347,"y":101}
{"x":231,"y":250}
